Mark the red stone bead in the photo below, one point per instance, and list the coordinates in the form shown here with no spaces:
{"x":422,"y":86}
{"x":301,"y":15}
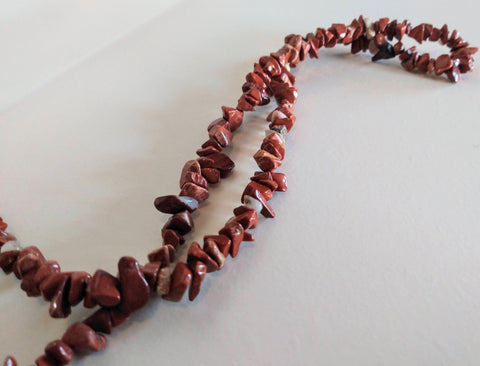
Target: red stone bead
{"x":105,"y":289}
{"x":212,"y":249}
{"x":190,"y":166}
{"x":78,"y":287}
{"x":195,"y":254}
{"x":234,"y":231}
{"x":180,"y":280}
{"x":48,"y":268}
{"x":59,"y":306}
{"x":198,"y":274}
{"x":46,"y":360}
{"x":133,"y":286}
{"x":442,"y":64}
{"x":59,"y":351}
{"x":8,"y":260}
{"x":266,"y":161}
{"x":212,"y":175}
{"x":195,"y":191}
{"x":223,"y":242}
{"x":81,"y":338}
{"x":181,"y":222}
{"x":100,"y":321}
{"x":172,"y":204}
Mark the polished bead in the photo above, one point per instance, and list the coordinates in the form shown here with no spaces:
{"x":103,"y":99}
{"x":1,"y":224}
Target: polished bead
{"x":198,"y":274}
{"x":180,"y":280}
{"x":81,"y":338}
{"x":133,"y":286}
{"x":59,"y":351}
{"x":172,"y":204}
{"x":105,"y":289}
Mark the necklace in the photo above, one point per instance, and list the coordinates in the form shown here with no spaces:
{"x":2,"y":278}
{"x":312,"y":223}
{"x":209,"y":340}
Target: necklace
{"x":119,"y":296}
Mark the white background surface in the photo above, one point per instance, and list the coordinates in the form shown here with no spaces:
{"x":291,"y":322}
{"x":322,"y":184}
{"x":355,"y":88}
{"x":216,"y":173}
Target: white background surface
{"x":373,"y":257}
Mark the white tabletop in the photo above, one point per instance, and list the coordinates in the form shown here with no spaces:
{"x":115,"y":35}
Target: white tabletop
{"x":373,"y":256}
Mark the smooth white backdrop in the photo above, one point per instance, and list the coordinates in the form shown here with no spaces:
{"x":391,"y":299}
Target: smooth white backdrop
{"x":373,"y":257}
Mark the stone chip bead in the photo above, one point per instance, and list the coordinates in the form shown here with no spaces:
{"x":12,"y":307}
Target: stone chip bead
{"x":59,"y":351}
{"x":133,"y":286}
{"x":8,"y":259}
{"x":181,"y":222}
{"x":266,"y":161}
{"x":234,"y":231}
{"x":173,"y":204}
{"x":195,"y":254}
{"x":179,"y":282}
{"x":100,"y":321}
{"x":81,"y":338}
{"x":195,"y":191}
{"x":78,"y":287}
{"x":212,"y":249}
{"x":104,"y":288}
{"x":46,"y":360}
{"x":198,"y":274}
{"x":223,"y":242}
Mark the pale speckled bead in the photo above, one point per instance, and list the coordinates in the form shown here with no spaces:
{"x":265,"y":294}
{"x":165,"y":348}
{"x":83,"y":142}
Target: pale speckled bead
{"x":163,"y":282}
{"x":251,"y":202}
{"x":11,"y":245}
{"x":370,"y":31}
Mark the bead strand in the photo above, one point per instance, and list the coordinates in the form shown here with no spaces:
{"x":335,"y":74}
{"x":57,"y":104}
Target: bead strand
{"x":119,"y":296}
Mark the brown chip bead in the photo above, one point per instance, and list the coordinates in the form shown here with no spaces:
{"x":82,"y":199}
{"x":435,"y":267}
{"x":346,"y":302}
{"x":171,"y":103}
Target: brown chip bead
{"x":48,"y":268}
{"x":223,"y":242}
{"x":172,"y":204}
{"x":81,"y":338}
{"x":195,"y":178}
{"x":5,"y":237}
{"x":165,"y":255}
{"x":181,"y":222}
{"x":100,"y":321}
{"x":212,"y":175}
{"x":46,"y":360}
{"x":150,"y":272}
{"x":443,"y":64}
{"x":214,"y":252}
{"x":265,"y":191}
{"x":266,"y":161}
{"x":10,"y":361}
{"x":8,"y":260}
{"x":133,"y":286}
{"x":78,"y":287}
{"x":173,"y":238}
{"x":29,"y":260}
{"x":59,"y":305}
{"x":198,"y":274}
{"x":195,"y":254}
{"x":49,"y":286}
{"x":281,"y":181}
{"x":248,"y":218}
{"x":195,"y":191}
{"x":212,"y":143}
{"x":249,"y":191}
{"x":118,"y":317}
{"x":234,"y":231}
{"x":190,"y":166}
{"x":233,"y":116}
{"x":221,"y":134}
{"x":222,"y":162}
{"x":59,"y":351}
{"x":179,"y":282}
{"x":205,"y":151}
{"x":105,"y":289}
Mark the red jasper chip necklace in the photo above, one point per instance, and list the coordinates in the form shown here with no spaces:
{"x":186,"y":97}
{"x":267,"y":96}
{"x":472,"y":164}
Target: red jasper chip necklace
{"x":116,"y":297}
